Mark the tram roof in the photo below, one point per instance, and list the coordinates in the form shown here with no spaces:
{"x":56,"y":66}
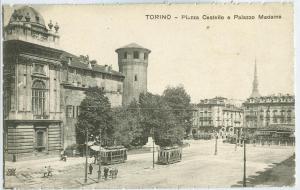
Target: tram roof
{"x":170,"y":148}
{"x":107,"y":149}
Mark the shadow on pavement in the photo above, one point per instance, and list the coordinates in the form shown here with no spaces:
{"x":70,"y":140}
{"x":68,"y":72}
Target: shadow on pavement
{"x":276,"y":175}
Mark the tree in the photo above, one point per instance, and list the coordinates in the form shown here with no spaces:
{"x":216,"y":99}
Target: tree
{"x":159,"y":121}
{"x":178,"y":99}
{"x":95,"y":114}
{"x":128,"y":131}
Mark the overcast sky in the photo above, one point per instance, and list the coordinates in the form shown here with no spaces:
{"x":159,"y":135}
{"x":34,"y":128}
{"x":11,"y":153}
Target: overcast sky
{"x":210,"y":58}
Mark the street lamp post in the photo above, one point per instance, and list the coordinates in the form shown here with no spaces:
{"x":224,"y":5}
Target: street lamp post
{"x":244,"y":138}
{"x":245,"y":130}
{"x":216,"y":143}
{"x":86,"y":154}
{"x":99,"y":157}
{"x":153,"y":147}
{"x":244,"y":177}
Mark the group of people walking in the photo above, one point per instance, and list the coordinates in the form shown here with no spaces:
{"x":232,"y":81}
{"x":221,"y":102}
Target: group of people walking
{"x":108,"y":171}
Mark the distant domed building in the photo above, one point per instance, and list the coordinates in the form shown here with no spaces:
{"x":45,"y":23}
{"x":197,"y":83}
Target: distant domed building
{"x":44,"y":85}
{"x":28,"y":25}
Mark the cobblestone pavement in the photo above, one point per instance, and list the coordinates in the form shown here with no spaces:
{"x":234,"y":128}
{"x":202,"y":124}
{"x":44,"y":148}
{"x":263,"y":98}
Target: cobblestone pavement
{"x":199,"y":168}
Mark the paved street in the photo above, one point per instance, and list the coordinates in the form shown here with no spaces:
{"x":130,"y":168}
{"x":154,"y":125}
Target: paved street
{"x":198,"y":168}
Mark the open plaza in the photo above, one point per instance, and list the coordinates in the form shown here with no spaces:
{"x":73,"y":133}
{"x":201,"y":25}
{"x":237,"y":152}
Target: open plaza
{"x":199,"y":168}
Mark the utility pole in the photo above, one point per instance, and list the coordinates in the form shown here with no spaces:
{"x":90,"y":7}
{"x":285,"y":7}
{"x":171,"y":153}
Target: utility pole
{"x":216,"y":144}
{"x":236,"y":139}
{"x":99,"y":156}
{"x":153,"y":146}
{"x":86,"y":154}
{"x":245,"y":130}
{"x":244,"y":178}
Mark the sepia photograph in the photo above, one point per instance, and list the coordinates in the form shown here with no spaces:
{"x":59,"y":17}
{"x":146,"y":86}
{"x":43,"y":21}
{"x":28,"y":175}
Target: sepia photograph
{"x":138,"y":96}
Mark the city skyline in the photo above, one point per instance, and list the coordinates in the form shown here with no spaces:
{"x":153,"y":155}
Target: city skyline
{"x":213,"y":51}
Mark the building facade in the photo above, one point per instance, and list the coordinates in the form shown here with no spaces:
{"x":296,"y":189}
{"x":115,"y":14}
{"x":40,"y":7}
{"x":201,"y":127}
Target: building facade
{"x":216,"y":115}
{"x":43,"y":86}
{"x":269,"y":118}
{"x":133,"y":63}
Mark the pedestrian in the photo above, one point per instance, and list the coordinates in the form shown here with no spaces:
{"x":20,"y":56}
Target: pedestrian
{"x":116,"y":172}
{"x":105,"y":172}
{"x":63,"y":156}
{"x":95,"y":159}
{"x":49,"y":171}
{"x":45,"y":171}
{"x":91,"y":169}
{"x":111,"y":173}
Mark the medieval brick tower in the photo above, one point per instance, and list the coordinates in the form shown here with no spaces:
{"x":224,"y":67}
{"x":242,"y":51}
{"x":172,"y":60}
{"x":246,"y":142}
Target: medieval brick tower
{"x":133,"y":63}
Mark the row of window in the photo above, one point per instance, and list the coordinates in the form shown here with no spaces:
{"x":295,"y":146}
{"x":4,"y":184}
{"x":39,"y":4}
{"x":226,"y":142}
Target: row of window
{"x":136,"y":55}
{"x":282,"y":112}
{"x":274,"y":119}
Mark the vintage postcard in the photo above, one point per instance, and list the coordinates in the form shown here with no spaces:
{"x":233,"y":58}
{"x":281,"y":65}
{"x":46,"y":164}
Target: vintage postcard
{"x":148,"y":96}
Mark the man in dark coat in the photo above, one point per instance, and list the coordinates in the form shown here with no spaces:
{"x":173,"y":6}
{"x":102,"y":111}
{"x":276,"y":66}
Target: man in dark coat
{"x":105,"y":172}
{"x":91,"y":169}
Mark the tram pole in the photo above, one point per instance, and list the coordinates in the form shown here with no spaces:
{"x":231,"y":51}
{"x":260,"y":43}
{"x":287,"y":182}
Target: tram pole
{"x":216,"y":144}
{"x":244,"y":178}
{"x":244,"y":143}
{"x":99,"y":157}
{"x":153,"y":147}
{"x":86,"y":154}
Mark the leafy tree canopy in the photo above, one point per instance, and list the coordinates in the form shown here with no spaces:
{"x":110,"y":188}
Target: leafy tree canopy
{"x":128,"y":131}
{"x":180,"y":102}
{"x":159,"y":121}
{"x":95,"y":114}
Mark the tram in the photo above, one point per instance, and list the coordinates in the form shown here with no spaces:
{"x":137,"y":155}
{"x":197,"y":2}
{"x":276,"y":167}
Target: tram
{"x":169,"y":155}
{"x":113,"y":155}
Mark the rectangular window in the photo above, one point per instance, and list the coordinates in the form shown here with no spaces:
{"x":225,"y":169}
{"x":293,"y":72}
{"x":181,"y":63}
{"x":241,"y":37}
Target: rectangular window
{"x":74,"y":111}
{"x":39,"y":139}
{"x":78,"y":111}
{"x":135,"y":55}
{"x":145,"y":56}
{"x":125,"y":55}
{"x":69,"y":111}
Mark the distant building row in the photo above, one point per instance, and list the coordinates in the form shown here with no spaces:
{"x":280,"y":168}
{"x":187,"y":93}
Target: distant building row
{"x":264,"y":117}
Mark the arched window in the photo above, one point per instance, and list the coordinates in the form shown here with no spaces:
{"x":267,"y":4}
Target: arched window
{"x":38,"y":98}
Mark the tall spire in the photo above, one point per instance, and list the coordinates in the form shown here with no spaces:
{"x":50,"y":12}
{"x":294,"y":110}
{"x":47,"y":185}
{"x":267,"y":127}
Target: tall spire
{"x":255,"y":92}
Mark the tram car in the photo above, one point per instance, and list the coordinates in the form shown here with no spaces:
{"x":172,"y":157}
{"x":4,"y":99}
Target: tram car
{"x":169,"y":155}
{"x":113,"y":155}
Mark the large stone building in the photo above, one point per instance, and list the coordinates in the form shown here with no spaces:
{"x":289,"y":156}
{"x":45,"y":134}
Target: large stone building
{"x":44,"y":85}
{"x":271,"y":117}
{"x":216,"y":115}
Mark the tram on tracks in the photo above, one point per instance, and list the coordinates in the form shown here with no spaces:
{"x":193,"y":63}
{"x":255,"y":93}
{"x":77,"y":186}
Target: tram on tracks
{"x":109,"y":155}
{"x":113,"y":155}
{"x":169,"y":155}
